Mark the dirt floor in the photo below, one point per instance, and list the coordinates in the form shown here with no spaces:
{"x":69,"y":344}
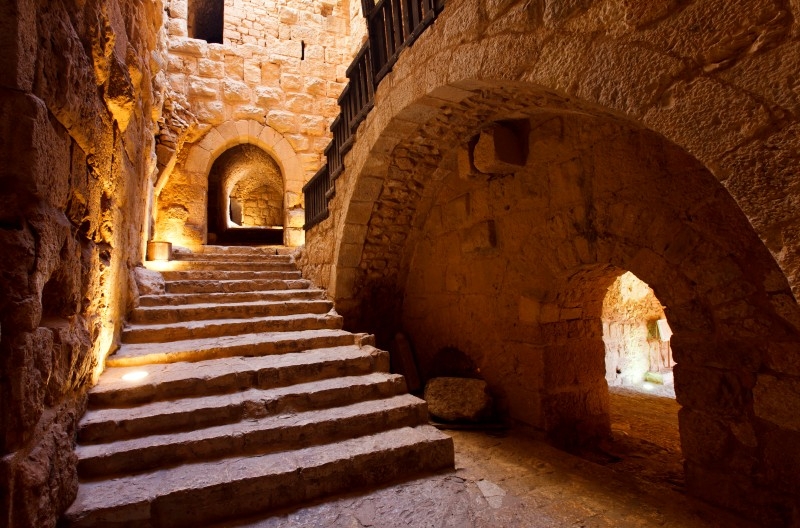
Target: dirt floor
{"x":509,"y":479}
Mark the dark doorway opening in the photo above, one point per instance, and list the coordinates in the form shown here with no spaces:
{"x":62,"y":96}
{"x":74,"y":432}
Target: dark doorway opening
{"x":206,"y":20}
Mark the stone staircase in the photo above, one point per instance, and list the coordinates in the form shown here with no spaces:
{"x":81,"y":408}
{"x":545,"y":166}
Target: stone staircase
{"x":237,"y":392}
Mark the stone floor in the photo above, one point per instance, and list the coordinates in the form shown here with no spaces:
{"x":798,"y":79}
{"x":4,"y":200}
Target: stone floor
{"x":513,"y":480}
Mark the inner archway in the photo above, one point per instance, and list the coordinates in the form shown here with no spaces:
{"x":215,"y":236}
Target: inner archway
{"x":637,"y":336}
{"x":644,"y":435}
{"x":511,"y":266}
{"x":245,"y":197}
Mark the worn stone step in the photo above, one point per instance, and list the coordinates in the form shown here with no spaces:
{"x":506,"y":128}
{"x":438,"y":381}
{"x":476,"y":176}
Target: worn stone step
{"x":200,"y":493}
{"x":211,"y":250}
{"x":162,"y":333}
{"x":204,"y":311}
{"x":233,"y":257}
{"x":176,"y":299}
{"x":255,"y":264}
{"x":110,"y":424}
{"x":292,"y":430}
{"x":218,"y":376}
{"x":258,"y":344}
{"x":230,"y":286}
{"x":219,"y":275}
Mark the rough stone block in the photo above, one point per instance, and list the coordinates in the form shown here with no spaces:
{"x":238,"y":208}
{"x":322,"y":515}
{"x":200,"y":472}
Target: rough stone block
{"x":148,"y":282}
{"x":234,"y":67}
{"x":205,"y":88}
{"x":479,"y":238}
{"x":282,"y":121}
{"x":777,"y":400}
{"x":210,"y":68}
{"x":235,"y":92}
{"x":189,"y":46}
{"x":459,"y":399}
{"x":268,"y":97}
{"x":252,"y":71}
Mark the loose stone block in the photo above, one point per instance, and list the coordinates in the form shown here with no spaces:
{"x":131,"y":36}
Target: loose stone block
{"x":458,"y":399}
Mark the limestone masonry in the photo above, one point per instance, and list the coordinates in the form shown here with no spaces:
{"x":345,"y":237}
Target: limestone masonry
{"x":550,"y":196}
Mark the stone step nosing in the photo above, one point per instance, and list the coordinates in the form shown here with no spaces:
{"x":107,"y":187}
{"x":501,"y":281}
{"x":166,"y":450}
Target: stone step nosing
{"x":183,"y":299}
{"x":206,"y":311}
{"x":232,"y":286}
{"x":251,"y":437}
{"x":110,"y":424}
{"x":249,"y":485}
{"x":238,"y":257}
{"x":222,"y":265}
{"x":209,"y":328}
{"x":219,"y":376}
{"x":211,"y":249}
{"x":231,"y":273}
{"x":241,"y":345}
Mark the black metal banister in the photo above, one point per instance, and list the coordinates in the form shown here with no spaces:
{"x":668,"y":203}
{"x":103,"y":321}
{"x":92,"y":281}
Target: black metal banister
{"x":317,"y":192}
{"x":392,"y":26}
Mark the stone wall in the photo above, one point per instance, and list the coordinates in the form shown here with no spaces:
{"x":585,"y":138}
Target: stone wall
{"x":282,"y":66}
{"x":78,"y":100}
{"x":712,"y":81}
{"x":259,"y":208}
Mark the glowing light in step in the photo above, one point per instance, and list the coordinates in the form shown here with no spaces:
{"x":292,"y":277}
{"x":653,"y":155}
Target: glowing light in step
{"x":136,"y":375}
{"x":648,"y":386}
{"x":162,"y":265}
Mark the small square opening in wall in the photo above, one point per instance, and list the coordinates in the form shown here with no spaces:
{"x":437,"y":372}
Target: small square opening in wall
{"x":206,"y":20}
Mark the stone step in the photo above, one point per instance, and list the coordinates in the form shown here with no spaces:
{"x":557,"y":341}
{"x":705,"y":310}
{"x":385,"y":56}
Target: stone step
{"x":199,"y":493}
{"x":260,"y":344}
{"x":205,"y":311}
{"x":161,"y":333}
{"x":178,"y":252}
{"x":225,"y":265}
{"x":176,"y":299}
{"x":231,"y":286}
{"x":293,"y":430}
{"x":233,"y":257}
{"x":220,"y":275}
{"x":108,"y":425}
{"x":219,"y":376}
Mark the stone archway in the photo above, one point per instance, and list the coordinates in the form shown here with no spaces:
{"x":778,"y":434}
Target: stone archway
{"x":428,"y":240}
{"x":246,"y":193}
{"x":181,"y":202}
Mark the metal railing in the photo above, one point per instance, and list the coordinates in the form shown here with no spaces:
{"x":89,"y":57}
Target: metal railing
{"x":318,"y":191}
{"x":392,"y":26}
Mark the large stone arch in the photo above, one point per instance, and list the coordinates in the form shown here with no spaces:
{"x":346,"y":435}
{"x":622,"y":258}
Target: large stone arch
{"x":735,"y":321}
{"x":189,"y":182}
{"x":729,"y":108}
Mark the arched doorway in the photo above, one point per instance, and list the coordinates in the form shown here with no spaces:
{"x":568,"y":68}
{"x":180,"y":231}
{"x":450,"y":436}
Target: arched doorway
{"x":637,"y":336}
{"x":512,"y":268}
{"x":245,"y":198}
{"x":182,"y":197}
{"x":644,"y":438}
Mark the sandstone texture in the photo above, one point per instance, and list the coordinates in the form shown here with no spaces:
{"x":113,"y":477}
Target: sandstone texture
{"x":202,"y":416}
{"x":271,"y":84}
{"x":520,"y":158}
{"x":661,"y":141}
{"x":78,"y":85}
{"x":458,"y":399}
